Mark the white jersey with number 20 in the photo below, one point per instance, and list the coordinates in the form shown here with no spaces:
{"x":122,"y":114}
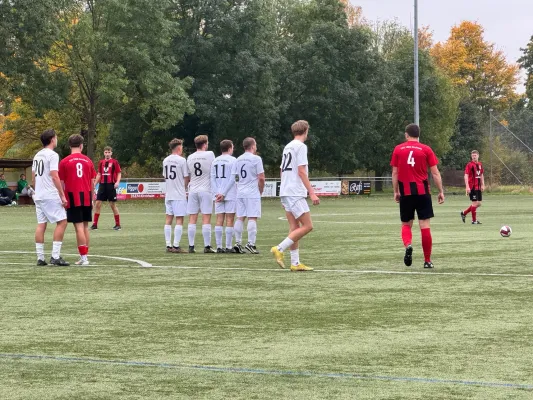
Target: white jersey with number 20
{"x":294,"y":155}
{"x":44,"y":162}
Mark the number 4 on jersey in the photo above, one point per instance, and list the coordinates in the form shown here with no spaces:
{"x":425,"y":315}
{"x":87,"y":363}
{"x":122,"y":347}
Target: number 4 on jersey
{"x":411,"y":159}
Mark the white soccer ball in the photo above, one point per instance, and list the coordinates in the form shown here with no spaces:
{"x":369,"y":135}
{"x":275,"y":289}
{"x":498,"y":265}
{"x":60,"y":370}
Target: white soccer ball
{"x":506,"y":231}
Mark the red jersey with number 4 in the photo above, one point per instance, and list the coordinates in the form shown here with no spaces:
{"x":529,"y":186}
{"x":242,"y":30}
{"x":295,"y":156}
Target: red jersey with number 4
{"x":413,"y":160}
{"x":474,"y":170}
{"x":109,"y":170}
{"x":77,"y":172}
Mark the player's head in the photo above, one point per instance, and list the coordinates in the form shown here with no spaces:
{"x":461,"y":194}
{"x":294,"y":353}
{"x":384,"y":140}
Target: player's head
{"x":226,"y":146}
{"x":75,"y":142}
{"x":2,"y":177}
{"x":201,"y":142}
{"x":250,"y":145}
{"x":108,"y":152}
{"x":300,"y":129}
{"x":176,"y":146}
{"x":412,"y":131}
{"x":475,"y":155}
{"x":49,"y":138}
{"x":23,"y":177}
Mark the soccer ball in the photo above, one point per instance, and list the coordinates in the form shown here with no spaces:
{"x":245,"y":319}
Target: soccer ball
{"x":505,"y":231}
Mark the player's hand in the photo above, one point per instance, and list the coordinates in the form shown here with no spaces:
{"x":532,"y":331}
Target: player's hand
{"x":117,"y":185}
{"x":219,"y":197}
{"x":64,"y":201}
{"x":440,"y":198}
{"x":482,"y":188}
{"x":397,"y":197}
{"x":314,"y":198}
{"x":468,"y":191}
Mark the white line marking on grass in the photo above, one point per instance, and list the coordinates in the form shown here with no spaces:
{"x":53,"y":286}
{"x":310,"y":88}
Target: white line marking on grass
{"x":140,"y":262}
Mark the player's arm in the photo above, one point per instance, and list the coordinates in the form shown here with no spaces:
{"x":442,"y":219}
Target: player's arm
{"x":119,"y":177}
{"x":482,"y":182}
{"x":438,"y":181}
{"x":261,"y":182}
{"x":213,"y":179}
{"x":97,"y":179}
{"x":302,"y":173}
{"x":466,"y":185}
{"x":395,"y":186}
{"x":229,"y":185}
{"x":58,"y":184}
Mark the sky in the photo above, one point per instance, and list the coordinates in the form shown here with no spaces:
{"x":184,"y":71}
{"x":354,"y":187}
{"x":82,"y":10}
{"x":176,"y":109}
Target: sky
{"x":507,"y":23}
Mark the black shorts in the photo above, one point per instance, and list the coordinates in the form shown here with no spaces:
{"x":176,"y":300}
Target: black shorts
{"x":419,"y":203}
{"x":106,"y":192}
{"x":80,"y":214}
{"x":475,"y":195}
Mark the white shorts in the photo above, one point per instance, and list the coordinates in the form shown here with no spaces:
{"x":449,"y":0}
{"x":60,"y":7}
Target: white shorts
{"x":177,"y":208}
{"x":297,"y":206}
{"x":250,"y":208}
{"x":50,"y":210}
{"x":200,"y":202}
{"x":226,"y":207}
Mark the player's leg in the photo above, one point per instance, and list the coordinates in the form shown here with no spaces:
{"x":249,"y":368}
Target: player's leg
{"x":407,"y":216}
{"x":230,"y":219}
{"x":253,"y":212}
{"x":193,"y":208}
{"x":220,"y":214}
{"x":81,"y":240}
{"x":116,"y":215}
{"x":206,"y":208}
{"x":59,"y":233}
{"x":169,"y":216}
{"x":475,"y":205}
{"x":101,"y":195}
{"x":239,"y":226}
{"x":39,"y":243}
{"x":178,"y":232}
{"x":424,"y":211}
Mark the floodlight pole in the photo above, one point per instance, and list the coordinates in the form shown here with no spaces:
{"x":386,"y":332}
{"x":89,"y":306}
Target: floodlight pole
{"x":416,"y":88}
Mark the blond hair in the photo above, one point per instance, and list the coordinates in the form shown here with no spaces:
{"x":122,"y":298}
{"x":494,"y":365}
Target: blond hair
{"x":299,"y":127}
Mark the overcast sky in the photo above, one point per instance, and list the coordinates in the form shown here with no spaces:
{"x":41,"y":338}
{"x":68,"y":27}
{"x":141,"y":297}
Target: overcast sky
{"x":507,"y":23}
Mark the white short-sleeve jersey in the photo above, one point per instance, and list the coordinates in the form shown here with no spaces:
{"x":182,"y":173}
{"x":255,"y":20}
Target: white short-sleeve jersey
{"x":221,"y":176}
{"x":45,"y":161}
{"x":247,"y":168}
{"x":175,"y":171}
{"x":199,"y":165}
{"x":294,"y":155}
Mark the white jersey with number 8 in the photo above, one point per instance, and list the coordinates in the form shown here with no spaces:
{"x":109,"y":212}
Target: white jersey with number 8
{"x":294,"y":155}
{"x":44,"y":162}
{"x":199,"y":165}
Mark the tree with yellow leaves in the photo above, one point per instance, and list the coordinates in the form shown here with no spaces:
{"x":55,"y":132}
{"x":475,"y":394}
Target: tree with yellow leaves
{"x":476,"y":66}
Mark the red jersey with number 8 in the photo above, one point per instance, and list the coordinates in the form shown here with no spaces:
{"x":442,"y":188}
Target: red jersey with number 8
{"x":77,"y":172}
{"x":413,"y":159}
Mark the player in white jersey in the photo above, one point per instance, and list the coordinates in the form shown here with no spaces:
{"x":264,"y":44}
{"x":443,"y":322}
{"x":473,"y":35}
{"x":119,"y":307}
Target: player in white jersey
{"x":200,"y":195}
{"x":49,"y":197}
{"x":221,"y":177}
{"x":249,"y":169}
{"x":294,"y":187}
{"x":176,"y":176}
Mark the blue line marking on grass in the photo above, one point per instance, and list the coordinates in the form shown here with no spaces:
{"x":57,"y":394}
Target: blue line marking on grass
{"x":266,"y":371}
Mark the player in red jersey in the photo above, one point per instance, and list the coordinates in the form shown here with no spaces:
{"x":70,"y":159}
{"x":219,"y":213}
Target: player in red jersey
{"x":77,"y":174}
{"x":109,"y":175}
{"x":410,"y":163}
{"x":475,"y":186}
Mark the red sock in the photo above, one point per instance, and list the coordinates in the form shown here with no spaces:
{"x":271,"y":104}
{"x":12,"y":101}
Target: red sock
{"x":117,"y":220}
{"x":96,"y":216}
{"x":427,"y":243}
{"x":83,"y":250}
{"x":465,"y":212}
{"x":407,"y":235}
{"x":474,"y":213}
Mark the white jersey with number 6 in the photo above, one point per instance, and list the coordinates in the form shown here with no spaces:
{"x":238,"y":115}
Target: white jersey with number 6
{"x":44,"y":162}
{"x":199,"y":165}
{"x":294,"y":155}
{"x":247,"y":167}
{"x":175,"y":171}
{"x":221,"y":176}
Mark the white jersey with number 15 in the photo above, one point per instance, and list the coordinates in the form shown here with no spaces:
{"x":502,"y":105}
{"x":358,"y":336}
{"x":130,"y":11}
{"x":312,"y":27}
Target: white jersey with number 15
{"x":175,"y":171}
{"x":294,"y":155}
{"x":199,"y":165}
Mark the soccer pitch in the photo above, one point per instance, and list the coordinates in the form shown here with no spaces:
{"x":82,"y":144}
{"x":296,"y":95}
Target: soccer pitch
{"x":230,"y":326}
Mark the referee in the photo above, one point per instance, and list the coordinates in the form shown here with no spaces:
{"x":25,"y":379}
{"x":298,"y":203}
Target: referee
{"x":108,"y":177}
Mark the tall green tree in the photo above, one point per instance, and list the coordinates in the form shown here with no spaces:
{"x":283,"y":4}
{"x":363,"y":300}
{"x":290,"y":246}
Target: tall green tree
{"x":526,"y":62}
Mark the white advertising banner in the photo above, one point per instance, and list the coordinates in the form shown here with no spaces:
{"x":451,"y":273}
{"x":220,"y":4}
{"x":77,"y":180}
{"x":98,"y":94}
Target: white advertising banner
{"x":327,"y":188}
{"x":270,"y":189}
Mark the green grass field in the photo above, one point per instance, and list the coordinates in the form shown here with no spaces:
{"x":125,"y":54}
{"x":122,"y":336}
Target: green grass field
{"x":362,"y":326}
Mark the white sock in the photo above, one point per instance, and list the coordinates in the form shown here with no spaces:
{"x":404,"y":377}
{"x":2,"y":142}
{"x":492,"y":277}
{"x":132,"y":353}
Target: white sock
{"x":206,"y":232}
{"x":168,"y":234}
{"x":239,"y":226}
{"x":39,"y":248}
{"x":218,"y":236}
{"x":191,"y":230}
{"x":84,"y":258}
{"x":285,"y":244}
{"x":178,"y":231}
{"x":229,"y":237}
{"x":56,"y":249}
{"x":295,"y":257}
{"x":252,"y":232}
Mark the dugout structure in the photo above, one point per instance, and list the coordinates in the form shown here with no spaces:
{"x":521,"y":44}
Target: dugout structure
{"x":12,"y":168}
